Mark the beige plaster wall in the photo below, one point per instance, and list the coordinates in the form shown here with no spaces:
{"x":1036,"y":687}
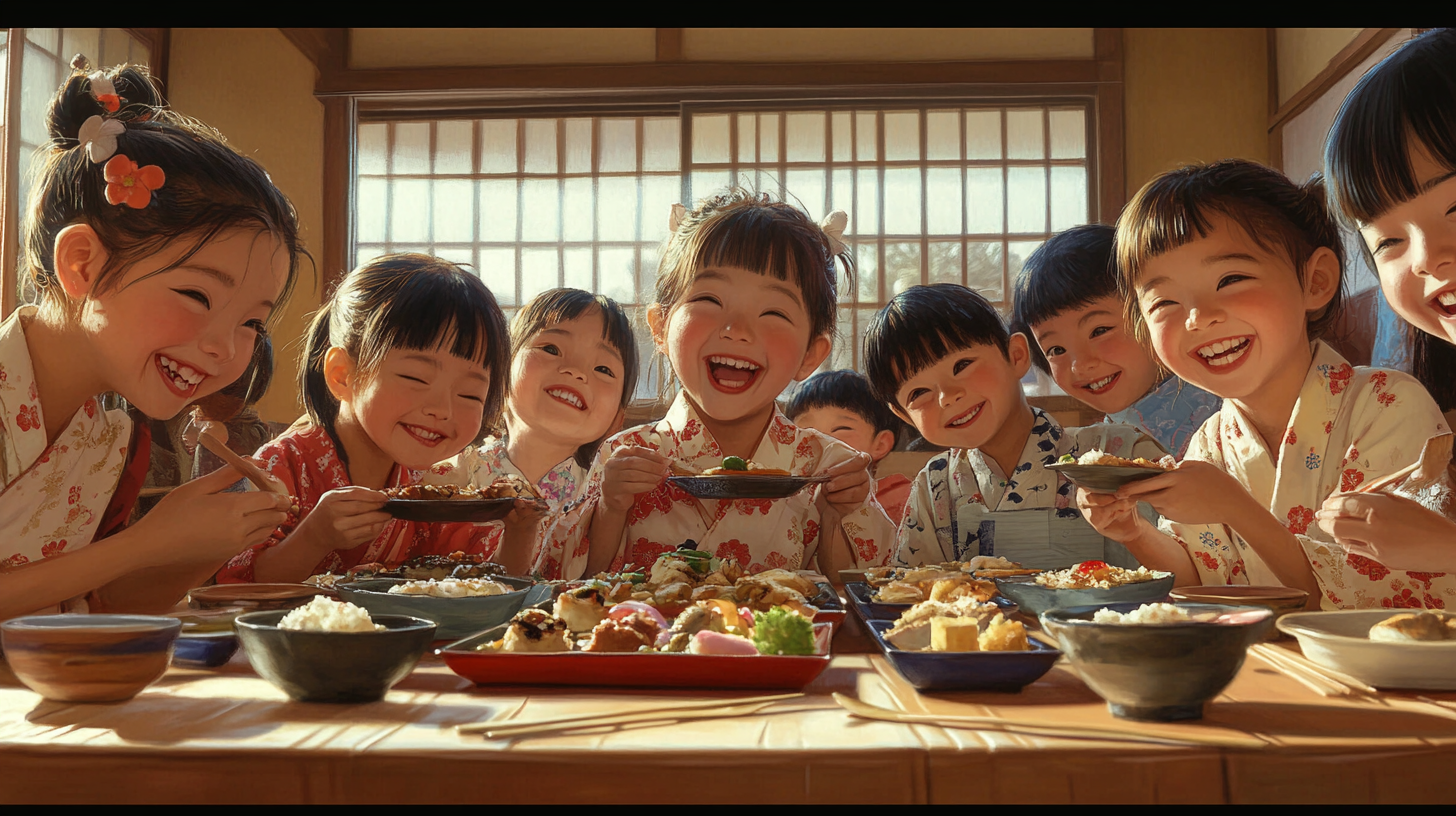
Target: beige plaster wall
{"x":256,"y":88}
{"x":1304,"y":52}
{"x":417,"y":47}
{"x":883,"y":44}
{"x":1193,"y":95}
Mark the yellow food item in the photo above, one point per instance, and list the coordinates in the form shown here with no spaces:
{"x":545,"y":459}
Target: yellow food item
{"x":1002,"y":635}
{"x":955,"y":635}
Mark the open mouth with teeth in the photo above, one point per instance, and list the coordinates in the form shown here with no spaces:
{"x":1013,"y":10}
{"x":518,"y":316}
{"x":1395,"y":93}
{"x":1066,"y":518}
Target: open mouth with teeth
{"x":1445,"y":303}
{"x":968,"y":417}
{"x":1104,"y":384}
{"x":181,"y":378}
{"x":422,"y":435}
{"x":567,"y":396}
{"x":732,"y":374}
{"x":1225,"y":352}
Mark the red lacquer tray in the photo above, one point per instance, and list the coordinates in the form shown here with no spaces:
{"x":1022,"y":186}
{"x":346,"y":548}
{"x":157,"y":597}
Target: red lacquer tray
{"x":645,"y":669}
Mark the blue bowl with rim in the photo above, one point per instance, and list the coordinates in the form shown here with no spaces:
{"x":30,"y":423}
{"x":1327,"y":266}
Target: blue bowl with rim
{"x":967,"y":671}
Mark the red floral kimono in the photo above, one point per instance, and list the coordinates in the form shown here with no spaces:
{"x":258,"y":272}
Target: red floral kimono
{"x":308,"y":464}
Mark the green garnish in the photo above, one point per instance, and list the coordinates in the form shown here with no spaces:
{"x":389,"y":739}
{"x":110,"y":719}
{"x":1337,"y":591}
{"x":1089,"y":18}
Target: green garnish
{"x":734,"y":463}
{"x":1067,"y":459}
{"x":781,"y":632}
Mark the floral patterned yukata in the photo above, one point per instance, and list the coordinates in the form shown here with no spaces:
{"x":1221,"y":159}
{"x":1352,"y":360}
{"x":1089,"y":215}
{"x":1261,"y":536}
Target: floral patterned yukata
{"x":761,"y":534}
{"x":1349,"y":427}
{"x":306,"y":461}
{"x":962,"y":505}
{"x":478,"y":467}
{"x":61,"y":497}
{"x":1171,"y":413}
{"x":893,"y":493}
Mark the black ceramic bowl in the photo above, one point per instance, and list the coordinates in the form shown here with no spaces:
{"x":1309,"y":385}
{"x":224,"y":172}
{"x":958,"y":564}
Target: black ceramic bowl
{"x":1162,"y":671}
{"x":334,"y":667}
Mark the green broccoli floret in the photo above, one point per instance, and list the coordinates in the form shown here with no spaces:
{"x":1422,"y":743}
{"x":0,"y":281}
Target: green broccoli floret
{"x":781,"y":632}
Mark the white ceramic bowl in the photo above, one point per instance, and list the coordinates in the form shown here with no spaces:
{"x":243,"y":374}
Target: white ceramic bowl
{"x":1340,"y":640}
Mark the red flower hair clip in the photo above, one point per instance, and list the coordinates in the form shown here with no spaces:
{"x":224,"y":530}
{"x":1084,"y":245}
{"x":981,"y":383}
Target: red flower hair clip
{"x":129,"y":184}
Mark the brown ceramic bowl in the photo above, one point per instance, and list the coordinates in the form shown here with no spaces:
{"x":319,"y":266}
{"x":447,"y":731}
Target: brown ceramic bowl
{"x":255,"y":597}
{"x":89,"y":658}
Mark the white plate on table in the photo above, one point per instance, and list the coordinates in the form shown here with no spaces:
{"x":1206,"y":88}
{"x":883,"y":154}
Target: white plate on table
{"x":1340,"y":640}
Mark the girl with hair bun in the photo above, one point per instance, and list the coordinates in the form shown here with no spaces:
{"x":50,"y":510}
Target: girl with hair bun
{"x":159,"y":254}
{"x":402,"y":368}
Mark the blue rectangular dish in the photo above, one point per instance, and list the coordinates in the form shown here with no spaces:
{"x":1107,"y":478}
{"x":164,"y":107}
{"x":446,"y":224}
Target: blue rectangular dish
{"x":204,"y":649}
{"x":967,"y":671}
{"x":861,"y":596}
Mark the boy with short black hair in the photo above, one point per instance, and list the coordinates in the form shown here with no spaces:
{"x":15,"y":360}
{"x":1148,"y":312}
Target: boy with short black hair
{"x":941,"y":358}
{"x":841,"y":404}
{"x":1066,"y":302}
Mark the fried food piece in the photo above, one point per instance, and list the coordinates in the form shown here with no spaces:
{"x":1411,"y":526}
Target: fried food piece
{"x":620,"y":635}
{"x":581,"y":608}
{"x":897,"y":592}
{"x":1411,"y":627}
{"x":672,"y":593}
{"x":1002,"y":635}
{"x":955,"y":635}
{"x":535,"y":630}
{"x":508,"y":486}
{"x":966,"y":587}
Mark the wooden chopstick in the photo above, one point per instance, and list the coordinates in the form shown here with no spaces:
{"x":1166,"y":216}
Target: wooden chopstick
{"x":857,"y":708}
{"x":1433,"y":459}
{"x":647,"y":714}
{"x":253,"y":473}
{"x":625,"y":720}
{"x":1319,"y":684}
{"x":1338,"y":684}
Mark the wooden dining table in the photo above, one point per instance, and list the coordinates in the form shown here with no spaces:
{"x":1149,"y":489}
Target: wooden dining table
{"x":226,"y":735}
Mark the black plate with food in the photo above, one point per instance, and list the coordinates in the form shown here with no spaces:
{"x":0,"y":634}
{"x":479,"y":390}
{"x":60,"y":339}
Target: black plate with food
{"x":430,"y":510}
{"x":862,"y":597}
{"x":746,"y":486}
{"x":1103,"y":478}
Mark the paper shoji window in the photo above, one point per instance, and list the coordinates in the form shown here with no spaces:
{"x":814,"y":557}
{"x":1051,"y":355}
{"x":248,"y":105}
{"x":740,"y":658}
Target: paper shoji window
{"x":530,"y":204}
{"x":959,"y":195}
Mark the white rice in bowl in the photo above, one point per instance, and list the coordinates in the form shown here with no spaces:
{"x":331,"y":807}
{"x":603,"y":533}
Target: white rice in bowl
{"x":451,"y":588}
{"x":324,"y":614}
{"x":1147,"y":613}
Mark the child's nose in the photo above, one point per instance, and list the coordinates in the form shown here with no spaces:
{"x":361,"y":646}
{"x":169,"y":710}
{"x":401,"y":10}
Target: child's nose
{"x":1202,"y":318}
{"x":218,"y":344}
{"x":1431,"y":250}
{"x":573,"y":370}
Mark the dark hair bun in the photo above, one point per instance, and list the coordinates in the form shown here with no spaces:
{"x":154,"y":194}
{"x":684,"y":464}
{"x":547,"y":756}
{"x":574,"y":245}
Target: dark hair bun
{"x":74,"y":103}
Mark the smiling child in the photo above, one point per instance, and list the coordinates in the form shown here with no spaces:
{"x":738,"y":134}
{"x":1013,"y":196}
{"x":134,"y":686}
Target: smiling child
{"x":1235,"y":273}
{"x":1067,"y":301}
{"x":942,"y":359}
{"x":841,"y":404}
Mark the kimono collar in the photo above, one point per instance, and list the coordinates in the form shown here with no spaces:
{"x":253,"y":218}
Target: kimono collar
{"x":682,"y":423}
{"x":19,"y":399}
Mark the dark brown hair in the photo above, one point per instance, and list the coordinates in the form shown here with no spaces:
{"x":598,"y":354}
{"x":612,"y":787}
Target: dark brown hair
{"x":1408,"y":99}
{"x":209,"y":188}
{"x":408,"y":301}
{"x":1281,"y":217}
{"x":751,"y":231}
{"x":556,"y":306}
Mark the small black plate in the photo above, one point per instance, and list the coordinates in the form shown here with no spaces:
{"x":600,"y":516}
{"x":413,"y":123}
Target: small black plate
{"x":744,"y":487}
{"x":1103,"y":478}
{"x":449,"y":509}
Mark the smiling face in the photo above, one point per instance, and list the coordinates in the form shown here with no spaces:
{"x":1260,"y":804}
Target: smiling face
{"x":965,"y":399}
{"x":165,"y":340}
{"x":1094,"y":358}
{"x":1414,"y":247}
{"x":1228,"y":316}
{"x":566,"y":381}
{"x":736,"y":340}
{"x":418,"y":408}
{"x":848,"y":427}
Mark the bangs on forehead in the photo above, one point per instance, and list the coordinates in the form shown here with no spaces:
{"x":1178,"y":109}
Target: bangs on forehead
{"x":759,"y":241}
{"x":920,"y":327}
{"x":556,"y":306}
{"x":431,"y":312}
{"x":1409,"y":99}
{"x":1168,"y":219}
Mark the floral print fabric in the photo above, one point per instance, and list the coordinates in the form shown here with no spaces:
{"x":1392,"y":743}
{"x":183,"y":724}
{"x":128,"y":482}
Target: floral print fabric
{"x":761,"y":534}
{"x":1350,"y":426}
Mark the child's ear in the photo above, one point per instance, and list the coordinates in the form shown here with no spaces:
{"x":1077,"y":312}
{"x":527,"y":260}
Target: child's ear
{"x":882,"y":444}
{"x":1018,"y":354}
{"x":818,"y":350}
{"x":79,"y":258}
{"x":657,"y":324}
{"x":1321,"y":279}
{"x":339,"y":373}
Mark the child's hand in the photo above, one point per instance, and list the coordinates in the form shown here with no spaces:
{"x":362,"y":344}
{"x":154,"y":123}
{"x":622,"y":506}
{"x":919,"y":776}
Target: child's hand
{"x":343,"y":519}
{"x":1196,"y":493}
{"x":1395,"y":531}
{"x":1114,"y":518}
{"x":850,"y":485}
{"x":527,"y":514}
{"x":629,"y":471}
{"x":198,"y":523}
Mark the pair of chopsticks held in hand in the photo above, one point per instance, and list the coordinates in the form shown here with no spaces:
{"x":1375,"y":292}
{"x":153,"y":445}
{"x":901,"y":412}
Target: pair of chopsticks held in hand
{"x":1340,"y":508}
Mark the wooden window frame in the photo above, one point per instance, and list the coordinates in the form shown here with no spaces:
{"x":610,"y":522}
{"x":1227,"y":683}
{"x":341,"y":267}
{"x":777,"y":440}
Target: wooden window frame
{"x":350,"y":95}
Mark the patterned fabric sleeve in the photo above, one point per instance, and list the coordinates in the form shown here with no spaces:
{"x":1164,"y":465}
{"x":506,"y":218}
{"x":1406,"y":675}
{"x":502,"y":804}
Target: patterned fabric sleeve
{"x":565,"y":539}
{"x":1210,"y":547}
{"x":924,"y":536}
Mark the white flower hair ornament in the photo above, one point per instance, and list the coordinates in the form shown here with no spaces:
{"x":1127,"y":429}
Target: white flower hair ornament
{"x":833,"y":226}
{"x":675,"y":219}
{"x":98,"y":136}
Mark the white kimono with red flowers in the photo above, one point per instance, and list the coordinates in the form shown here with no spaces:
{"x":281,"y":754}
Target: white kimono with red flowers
{"x":54,"y":497}
{"x":1350,"y":426}
{"x":761,"y":533}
